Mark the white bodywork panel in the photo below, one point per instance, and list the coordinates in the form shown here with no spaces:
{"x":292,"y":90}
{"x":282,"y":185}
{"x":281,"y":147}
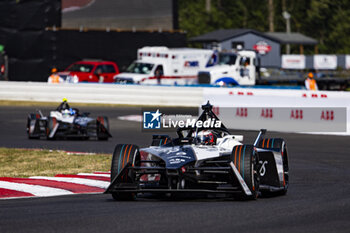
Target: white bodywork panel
{"x":223,"y":146}
{"x":58,"y":115}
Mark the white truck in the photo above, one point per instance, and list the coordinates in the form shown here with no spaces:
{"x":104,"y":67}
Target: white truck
{"x":162,"y":65}
{"x":232,"y":68}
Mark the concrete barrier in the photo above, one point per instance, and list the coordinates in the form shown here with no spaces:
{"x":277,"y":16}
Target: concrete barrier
{"x":282,"y":110}
{"x":283,"y":104}
{"x":102,"y":93}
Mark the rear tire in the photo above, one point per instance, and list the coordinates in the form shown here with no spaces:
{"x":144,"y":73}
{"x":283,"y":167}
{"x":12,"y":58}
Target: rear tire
{"x":102,"y":125}
{"x":122,"y":155}
{"x":280,"y":145}
{"x":245,"y":159}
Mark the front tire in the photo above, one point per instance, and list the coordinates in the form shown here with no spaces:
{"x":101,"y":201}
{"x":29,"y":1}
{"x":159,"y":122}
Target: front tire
{"x":123,"y":155}
{"x":245,"y":159}
{"x":32,"y":125}
{"x":280,"y":145}
{"x":50,"y":126}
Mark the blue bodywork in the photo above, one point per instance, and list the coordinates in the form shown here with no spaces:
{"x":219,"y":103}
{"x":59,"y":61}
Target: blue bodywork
{"x":174,"y":157}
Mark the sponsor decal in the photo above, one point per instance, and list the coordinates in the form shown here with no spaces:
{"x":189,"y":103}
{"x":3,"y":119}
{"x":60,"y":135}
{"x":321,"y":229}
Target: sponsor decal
{"x":216,"y":110}
{"x":176,"y":161}
{"x":262,"y":47}
{"x":262,"y":170}
{"x":242,"y":112}
{"x":191,"y":64}
{"x":296,"y":114}
{"x":82,"y":120}
{"x":327,"y":115}
{"x":266,"y":113}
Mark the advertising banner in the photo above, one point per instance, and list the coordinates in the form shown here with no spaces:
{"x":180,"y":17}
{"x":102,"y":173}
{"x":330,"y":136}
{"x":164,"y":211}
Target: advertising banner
{"x":347,"y":62}
{"x":293,"y":61}
{"x":285,"y":119}
{"x":325,"y":62}
{"x":278,"y":110}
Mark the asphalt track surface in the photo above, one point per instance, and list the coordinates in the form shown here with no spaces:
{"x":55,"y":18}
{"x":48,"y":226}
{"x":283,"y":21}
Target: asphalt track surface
{"x":318,"y":199}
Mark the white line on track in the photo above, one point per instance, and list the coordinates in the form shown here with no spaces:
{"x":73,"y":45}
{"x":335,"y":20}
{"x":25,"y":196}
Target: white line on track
{"x":92,"y":174}
{"x":94,"y":183}
{"x":137,"y":118}
{"x":37,"y":190}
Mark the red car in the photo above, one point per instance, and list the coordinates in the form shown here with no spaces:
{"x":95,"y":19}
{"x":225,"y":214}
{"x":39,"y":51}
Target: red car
{"x":89,"y":71}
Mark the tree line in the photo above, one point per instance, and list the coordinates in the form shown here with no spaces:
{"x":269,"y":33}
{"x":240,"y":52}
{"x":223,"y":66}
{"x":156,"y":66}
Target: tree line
{"x":327,"y":21}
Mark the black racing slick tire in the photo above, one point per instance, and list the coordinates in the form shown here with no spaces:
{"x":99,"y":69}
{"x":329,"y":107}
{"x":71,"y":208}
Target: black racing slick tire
{"x":102,"y":128}
{"x":50,"y":126}
{"x":244,"y":157}
{"x":280,"y":145}
{"x":123,"y":155}
{"x":32,"y":124}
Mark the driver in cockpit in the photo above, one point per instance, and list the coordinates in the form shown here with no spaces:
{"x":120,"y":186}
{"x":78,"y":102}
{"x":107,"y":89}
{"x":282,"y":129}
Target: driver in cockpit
{"x":206,"y":137}
{"x":65,"y":109}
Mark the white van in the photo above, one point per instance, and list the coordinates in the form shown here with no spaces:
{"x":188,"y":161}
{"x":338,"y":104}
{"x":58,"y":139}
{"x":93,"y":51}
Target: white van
{"x":162,"y":65}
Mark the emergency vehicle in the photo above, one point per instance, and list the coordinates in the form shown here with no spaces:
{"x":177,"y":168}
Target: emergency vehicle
{"x":162,"y":65}
{"x":232,"y":68}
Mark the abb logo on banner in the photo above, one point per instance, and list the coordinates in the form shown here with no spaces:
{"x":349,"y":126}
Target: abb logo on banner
{"x":296,"y":114}
{"x":313,"y":95}
{"x":327,"y":115}
{"x":241,"y":93}
{"x":242,"y":112}
{"x":266,"y":113}
{"x":216,"y":110}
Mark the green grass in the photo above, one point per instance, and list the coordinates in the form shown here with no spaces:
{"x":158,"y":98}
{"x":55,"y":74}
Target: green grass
{"x":25,"y":163}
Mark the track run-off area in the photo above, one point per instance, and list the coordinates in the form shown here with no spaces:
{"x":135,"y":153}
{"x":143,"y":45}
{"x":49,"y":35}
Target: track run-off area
{"x":318,"y":198}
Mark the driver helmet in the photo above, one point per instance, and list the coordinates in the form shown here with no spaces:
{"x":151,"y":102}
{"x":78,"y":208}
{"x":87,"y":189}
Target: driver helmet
{"x":206,"y":137}
{"x":65,"y":113}
{"x":68,"y":112}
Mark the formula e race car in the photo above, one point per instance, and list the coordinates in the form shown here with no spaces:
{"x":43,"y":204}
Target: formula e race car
{"x":66,"y":122}
{"x":206,"y":160}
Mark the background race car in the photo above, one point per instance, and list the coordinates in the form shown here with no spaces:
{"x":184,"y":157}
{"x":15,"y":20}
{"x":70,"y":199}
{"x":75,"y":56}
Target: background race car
{"x":201,"y":160}
{"x":66,"y":122}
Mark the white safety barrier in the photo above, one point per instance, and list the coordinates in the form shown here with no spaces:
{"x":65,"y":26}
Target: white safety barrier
{"x":102,"y":93}
{"x":253,"y":108}
{"x":282,"y":110}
